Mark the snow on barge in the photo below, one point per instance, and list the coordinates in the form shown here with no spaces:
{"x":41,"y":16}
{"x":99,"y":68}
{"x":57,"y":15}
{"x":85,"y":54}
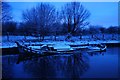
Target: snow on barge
{"x":55,"y":48}
{"x":12,"y":47}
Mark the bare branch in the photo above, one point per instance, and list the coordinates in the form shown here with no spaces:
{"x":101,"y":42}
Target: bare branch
{"x":6,"y":12}
{"x":40,"y":17}
{"x":76,"y":15}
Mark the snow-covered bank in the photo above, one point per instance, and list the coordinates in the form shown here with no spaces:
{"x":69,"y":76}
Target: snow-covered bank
{"x":60,"y":40}
{"x":8,"y":45}
{"x":12,"y":44}
{"x":4,"y":43}
{"x":16,"y":38}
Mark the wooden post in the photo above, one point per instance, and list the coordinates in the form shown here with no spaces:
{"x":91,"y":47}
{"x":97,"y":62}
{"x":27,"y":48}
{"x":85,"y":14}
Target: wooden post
{"x":55,"y":35}
{"x":8,"y":36}
{"x":30,"y":50}
{"x":80,"y":36}
{"x":25,"y":36}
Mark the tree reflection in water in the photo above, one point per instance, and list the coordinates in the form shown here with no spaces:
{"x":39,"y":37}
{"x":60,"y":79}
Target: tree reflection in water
{"x":61,"y":66}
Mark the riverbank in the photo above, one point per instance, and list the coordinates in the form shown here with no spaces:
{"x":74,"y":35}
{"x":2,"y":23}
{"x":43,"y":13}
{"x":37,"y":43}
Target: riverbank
{"x":59,"y":40}
{"x":13,"y":49}
{"x":109,"y":43}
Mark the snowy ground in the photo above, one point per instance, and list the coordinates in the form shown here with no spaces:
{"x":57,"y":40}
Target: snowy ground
{"x":4,"y":43}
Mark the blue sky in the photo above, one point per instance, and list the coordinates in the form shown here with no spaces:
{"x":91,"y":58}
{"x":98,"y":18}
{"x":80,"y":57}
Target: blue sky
{"x":102,"y":13}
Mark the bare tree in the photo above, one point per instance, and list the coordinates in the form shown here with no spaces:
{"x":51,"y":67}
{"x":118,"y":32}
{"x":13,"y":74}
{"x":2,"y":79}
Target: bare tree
{"x":6,"y":12}
{"x":75,"y":15}
{"x":40,"y":18}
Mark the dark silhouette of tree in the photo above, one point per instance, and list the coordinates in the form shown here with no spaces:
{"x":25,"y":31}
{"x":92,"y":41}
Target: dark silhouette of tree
{"x":93,"y":30}
{"x":75,"y":16}
{"x":9,"y":27}
{"x":118,"y":30}
{"x":102,"y":30}
{"x":112,"y":29}
{"x":40,"y":18}
{"x":6,"y":12}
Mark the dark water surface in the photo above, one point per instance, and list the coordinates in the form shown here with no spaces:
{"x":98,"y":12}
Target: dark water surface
{"x":79,"y":65}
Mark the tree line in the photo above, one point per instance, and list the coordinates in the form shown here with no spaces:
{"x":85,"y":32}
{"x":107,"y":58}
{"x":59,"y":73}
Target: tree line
{"x":22,"y":29}
{"x":44,"y":19}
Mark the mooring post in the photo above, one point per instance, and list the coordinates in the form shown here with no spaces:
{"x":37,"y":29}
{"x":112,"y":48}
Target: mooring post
{"x":30,"y":49}
{"x":8,"y":36}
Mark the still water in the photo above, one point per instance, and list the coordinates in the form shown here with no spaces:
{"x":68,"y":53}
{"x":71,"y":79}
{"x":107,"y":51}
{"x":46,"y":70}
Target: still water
{"x":79,"y":65}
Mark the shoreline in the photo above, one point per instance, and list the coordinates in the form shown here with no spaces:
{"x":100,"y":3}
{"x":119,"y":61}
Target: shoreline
{"x":13,"y":50}
{"x":86,"y":39}
{"x":77,"y":43}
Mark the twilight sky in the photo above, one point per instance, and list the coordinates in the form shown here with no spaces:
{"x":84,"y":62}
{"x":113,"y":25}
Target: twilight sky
{"x":102,"y":13}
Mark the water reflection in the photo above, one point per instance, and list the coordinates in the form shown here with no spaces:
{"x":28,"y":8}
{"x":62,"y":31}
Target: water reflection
{"x":96,"y":53}
{"x":67,"y":66}
{"x":59,"y":66}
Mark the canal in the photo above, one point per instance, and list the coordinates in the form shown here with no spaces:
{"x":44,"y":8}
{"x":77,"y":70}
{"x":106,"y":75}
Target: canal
{"x":78,"y":65}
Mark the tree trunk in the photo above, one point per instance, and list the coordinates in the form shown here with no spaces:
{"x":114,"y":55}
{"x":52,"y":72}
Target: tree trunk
{"x":69,"y":35}
{"x":25,"y":36}
{"x":80,"y":36}
{"x":43,"y":38}
{"x":69,"y":25}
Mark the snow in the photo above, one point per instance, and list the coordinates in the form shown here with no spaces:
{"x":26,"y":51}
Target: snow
{"x":4,"y":43}
{"x":60,"y":41}
{"x":16,"y":38}
{"x":111,"y":41}
{"x":8,"y":45}
{"x":35,"y":47}
{"x":61,"y":46}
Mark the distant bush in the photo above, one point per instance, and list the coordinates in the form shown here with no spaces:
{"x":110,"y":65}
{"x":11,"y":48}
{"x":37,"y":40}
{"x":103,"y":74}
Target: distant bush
{"x":113,"y":29}
{"x":9,"y":27}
